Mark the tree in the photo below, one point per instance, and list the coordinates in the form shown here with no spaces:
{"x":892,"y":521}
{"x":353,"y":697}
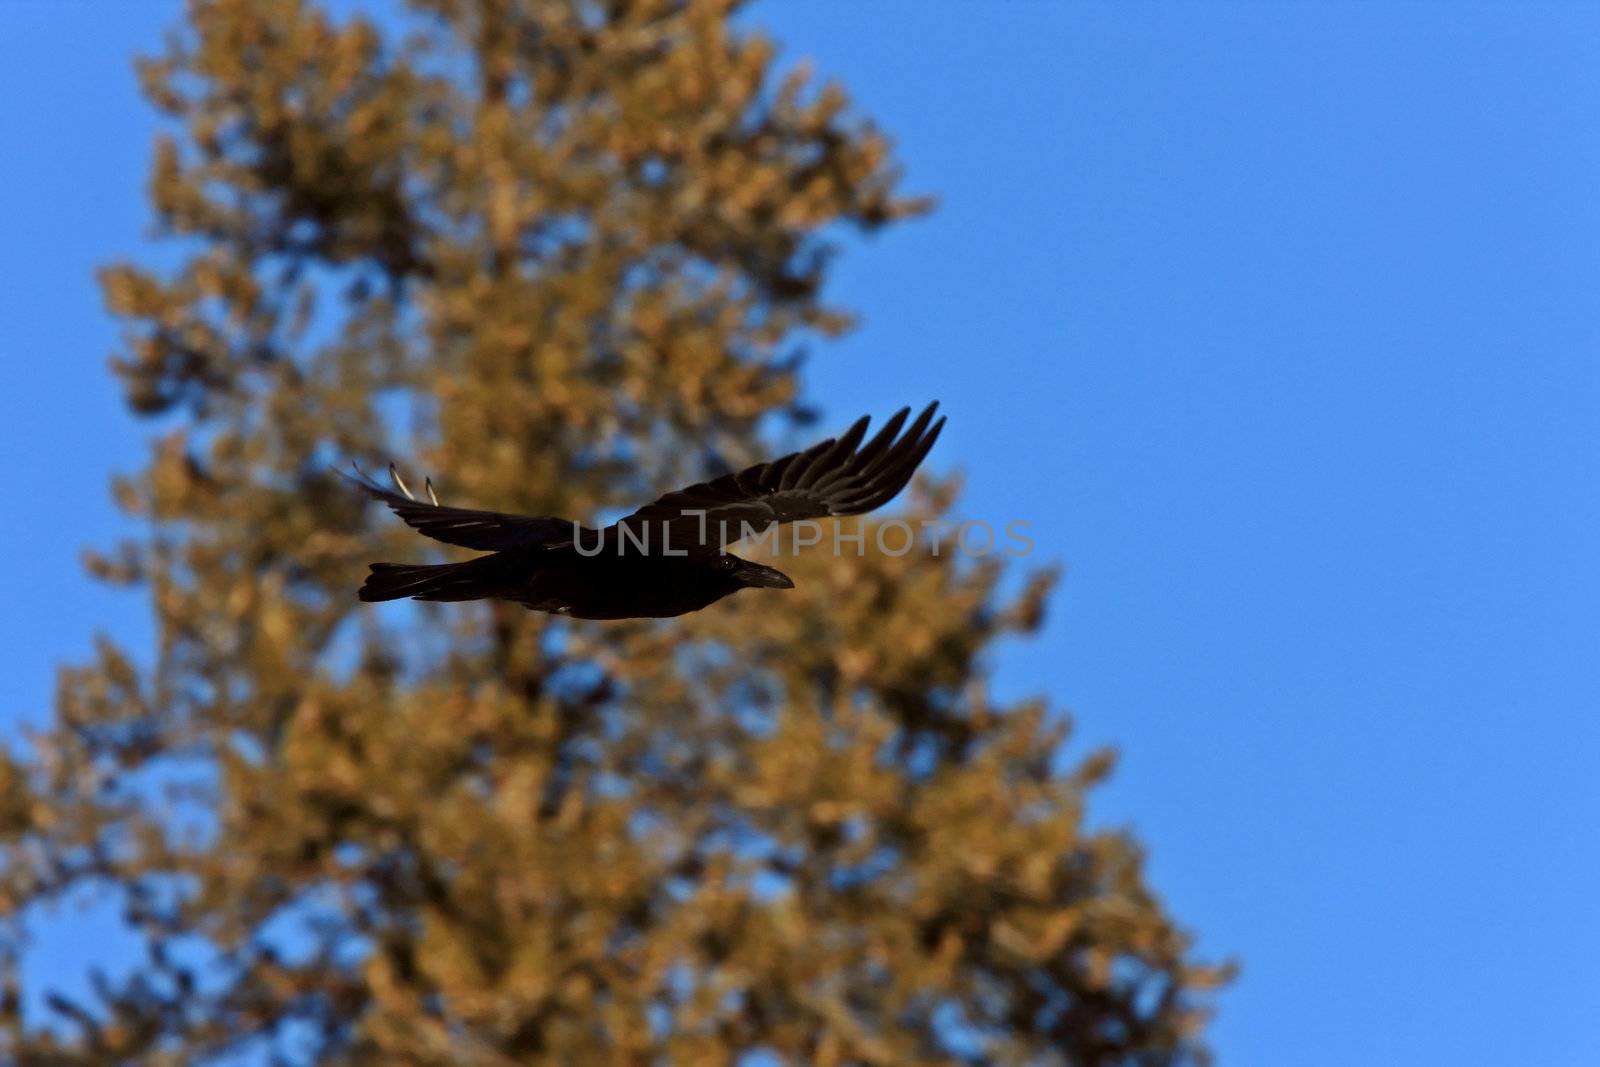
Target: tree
{"x":559,"y":255}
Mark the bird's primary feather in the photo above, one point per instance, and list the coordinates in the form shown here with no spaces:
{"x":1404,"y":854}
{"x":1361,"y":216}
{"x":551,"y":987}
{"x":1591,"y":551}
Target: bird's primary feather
{"x":487,"y":531}
{"x":838,"y":476}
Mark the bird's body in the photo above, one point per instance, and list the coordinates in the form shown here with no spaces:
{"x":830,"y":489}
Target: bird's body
{"x":667,"y":558}
{"x":607,"y":585}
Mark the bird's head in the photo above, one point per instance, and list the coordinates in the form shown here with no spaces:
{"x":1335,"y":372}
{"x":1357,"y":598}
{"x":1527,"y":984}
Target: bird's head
{"x":753,"y":575}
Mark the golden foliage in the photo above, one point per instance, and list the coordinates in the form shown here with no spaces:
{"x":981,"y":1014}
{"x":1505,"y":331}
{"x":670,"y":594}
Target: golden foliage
{"x":556,"y":253}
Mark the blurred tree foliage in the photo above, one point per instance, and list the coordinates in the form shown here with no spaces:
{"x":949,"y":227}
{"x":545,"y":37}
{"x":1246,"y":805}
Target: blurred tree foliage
{"x":560,"y":255}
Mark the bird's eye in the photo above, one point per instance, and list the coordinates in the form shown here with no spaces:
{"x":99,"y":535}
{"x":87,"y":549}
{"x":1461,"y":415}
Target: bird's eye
{"x":727,"y":563}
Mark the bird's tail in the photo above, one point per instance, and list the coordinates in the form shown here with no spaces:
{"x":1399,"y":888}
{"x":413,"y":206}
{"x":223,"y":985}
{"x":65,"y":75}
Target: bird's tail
{"x":468,"y":580}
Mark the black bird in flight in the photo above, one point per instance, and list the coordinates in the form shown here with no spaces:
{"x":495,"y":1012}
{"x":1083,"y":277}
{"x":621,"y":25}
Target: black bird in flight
{"x":665,"y":559}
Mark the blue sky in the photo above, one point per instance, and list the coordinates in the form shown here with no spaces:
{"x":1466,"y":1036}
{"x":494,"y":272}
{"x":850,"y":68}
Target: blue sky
{"x":1278,"y":321}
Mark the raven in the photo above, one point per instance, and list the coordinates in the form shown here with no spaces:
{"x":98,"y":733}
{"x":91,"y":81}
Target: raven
{"x":665,"y":559}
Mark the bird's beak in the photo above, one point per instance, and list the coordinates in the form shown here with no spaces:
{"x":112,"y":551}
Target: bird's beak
{"x":761,"y":577}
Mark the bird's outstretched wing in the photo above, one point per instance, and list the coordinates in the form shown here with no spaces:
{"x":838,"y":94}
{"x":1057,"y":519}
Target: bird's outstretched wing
{"x":487,"y":531}
{"x":839,"y":476}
